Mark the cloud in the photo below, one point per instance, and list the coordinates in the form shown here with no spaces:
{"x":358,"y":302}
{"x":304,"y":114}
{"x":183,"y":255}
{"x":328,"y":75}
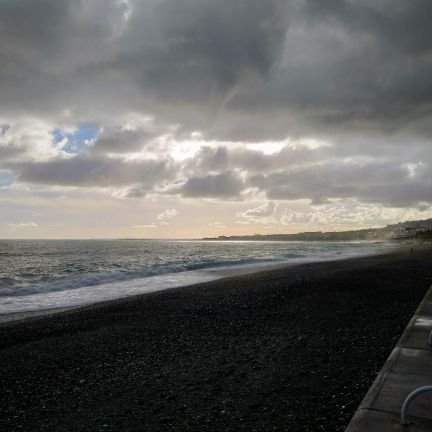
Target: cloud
{"x":27,"y":140}
{"x":218,"y":170}
{"x":349,"y":214}
{"x":297,"y":171}
{"x":131,"y":135}
{"x":24,"y":225}
{"x":218,"y":65}
{"x":262,"y":214}
{"x":218,"y":225}
{"x":89,"y":171}
{"x":224,"y":185}
{"x":162,"y":219}
{"x":221,"y":158}
{"x":151,"y":226}
{"x":386,"y":183}
{"x":263,"y":210}
{"x":167,"y":214}
{"x":194,"y":50}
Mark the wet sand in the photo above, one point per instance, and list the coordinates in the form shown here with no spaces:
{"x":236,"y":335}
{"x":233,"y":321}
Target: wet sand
{"x":293,"y":349}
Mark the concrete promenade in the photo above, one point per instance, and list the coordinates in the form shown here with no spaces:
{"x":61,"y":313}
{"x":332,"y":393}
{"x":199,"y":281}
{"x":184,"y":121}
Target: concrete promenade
{"x":408,"y":367}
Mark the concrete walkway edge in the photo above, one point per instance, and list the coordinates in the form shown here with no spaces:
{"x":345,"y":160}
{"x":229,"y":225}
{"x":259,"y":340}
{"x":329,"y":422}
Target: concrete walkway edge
{"x":408,"y":367}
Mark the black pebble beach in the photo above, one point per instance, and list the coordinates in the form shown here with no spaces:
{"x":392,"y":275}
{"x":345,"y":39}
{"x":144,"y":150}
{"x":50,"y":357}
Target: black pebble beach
{"x":294,"y":349}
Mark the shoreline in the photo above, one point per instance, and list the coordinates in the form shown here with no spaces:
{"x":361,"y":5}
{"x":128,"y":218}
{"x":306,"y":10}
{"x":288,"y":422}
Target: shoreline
{"x":290,"y":349}
{"x":219,"y":273}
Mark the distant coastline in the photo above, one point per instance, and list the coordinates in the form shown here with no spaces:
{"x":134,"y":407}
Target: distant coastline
{"x":420,"y":230}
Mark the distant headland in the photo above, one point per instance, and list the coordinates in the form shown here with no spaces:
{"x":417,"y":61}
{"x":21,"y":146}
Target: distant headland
{"x":420,"y":230}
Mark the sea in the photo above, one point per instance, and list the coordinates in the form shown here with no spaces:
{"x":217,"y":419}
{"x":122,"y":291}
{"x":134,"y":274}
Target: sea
{"x":39,"y":275}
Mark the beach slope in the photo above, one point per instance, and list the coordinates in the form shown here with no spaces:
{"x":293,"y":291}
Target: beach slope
{"x":293,"y":349}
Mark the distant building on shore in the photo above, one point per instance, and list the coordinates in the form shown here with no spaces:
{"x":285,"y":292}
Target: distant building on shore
{"x":400,"y":233}
{"x":404,"y":232}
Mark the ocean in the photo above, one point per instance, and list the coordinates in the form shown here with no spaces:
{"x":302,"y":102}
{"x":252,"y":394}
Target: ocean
{"x":47,"y":274}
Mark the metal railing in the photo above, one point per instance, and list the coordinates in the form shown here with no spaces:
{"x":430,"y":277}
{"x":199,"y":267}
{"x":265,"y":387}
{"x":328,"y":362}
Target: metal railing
{"x":409,"y":399}
{"x":414,"y":394}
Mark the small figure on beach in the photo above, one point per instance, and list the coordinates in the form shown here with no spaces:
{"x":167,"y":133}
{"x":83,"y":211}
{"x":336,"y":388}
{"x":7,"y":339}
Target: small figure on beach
{"x":411,"y":251}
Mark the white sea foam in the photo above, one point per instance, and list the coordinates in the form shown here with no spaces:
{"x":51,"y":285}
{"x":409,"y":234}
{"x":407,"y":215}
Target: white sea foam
{"x":50,"y":291}
{"x":98,"y":293}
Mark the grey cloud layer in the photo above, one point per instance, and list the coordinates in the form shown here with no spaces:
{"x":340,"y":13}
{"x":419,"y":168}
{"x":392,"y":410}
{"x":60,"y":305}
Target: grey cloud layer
{"x":371,"y":182}
{"x":224,"y":185}
{"x":357,"y":73}
{"x":292,"y":173}
{"x":85,"y":171}
{"x":337,"y":61}
{"x":203,"y":47}
{"x":325,"y":173}
{"x":223,"y":158}
{"x":116,"y":140}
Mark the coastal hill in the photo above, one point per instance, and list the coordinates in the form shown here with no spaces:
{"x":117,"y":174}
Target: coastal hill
{"x":419,"y":229}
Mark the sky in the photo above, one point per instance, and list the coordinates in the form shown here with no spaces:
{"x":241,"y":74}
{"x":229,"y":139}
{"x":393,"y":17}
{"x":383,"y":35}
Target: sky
{"x":192,"y":118}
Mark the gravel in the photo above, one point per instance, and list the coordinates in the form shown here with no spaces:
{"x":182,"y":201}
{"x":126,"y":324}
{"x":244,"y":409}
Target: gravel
{"x":289,"y":350}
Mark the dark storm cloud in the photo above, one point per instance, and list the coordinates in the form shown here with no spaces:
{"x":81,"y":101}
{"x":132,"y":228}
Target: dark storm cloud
{"x":142,"y":55}
{"x":356,"y":65}
{"x":210,"y":64}
{"x":42,"y":46}
{"x":28,"y":26}
{"x":391,"y":68}
{"x":211,"y":45}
